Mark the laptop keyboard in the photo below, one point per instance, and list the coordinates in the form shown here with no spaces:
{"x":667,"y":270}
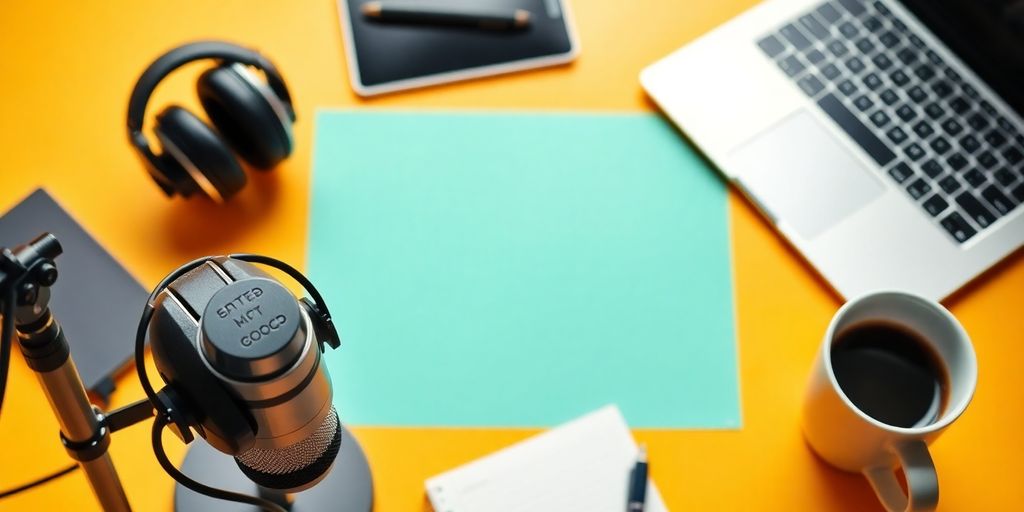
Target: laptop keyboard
{"x":932,"y":133}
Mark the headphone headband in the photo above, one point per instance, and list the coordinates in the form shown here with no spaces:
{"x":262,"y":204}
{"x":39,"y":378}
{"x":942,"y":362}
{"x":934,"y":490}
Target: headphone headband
{"x":185,"y":54}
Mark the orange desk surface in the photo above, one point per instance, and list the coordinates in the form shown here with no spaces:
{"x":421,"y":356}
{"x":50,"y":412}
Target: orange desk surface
{"x":66,"y":69}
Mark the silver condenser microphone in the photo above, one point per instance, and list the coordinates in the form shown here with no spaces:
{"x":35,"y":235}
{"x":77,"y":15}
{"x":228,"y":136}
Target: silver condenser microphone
{"x":242,"y":357}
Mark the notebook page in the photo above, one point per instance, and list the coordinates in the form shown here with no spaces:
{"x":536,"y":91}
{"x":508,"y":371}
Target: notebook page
{"x":581,"y":466}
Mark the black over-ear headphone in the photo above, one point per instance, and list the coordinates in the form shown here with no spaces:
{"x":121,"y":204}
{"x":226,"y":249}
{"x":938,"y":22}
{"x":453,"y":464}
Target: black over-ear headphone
{"x":252,"y":117}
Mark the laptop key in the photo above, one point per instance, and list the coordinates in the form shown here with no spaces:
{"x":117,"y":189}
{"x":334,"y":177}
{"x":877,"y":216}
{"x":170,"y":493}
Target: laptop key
{"x":882,"y":61}
{"x":952,"y":126}
{"x":791,"y":66}
{"x":838,"y":48}
{"x":917,"y":94}
{"x":949,"y":184}
{"x":771,"y":46}
{"x":970,"y":143}
{"x":1006,"y":125}
{"x":934,"y":111}
{"x":997,"y":200}
{"x":907,"y":56}
{"x":860,"y":133}
{"x":932,"y":168}
{"x":956,"y":161}
{"x":956,"y":226}
{"x":865,"y":45}
{"x":872,"y":81}
{"x":810,"y":85}
{"x":794,"y":36}
{"x":901,"y":172}
{"x":902,"y":27}
{"x":1013,"y":155}
{"x":953,"y":75}
{"x":896,"y":135}
{"x":940,"y":146}
{"x":918,"y":188}
{"x":855,"y":65}
{"x":975,"y":210}
{"x":1004,"y":177}
{"x":906,"y":112}
{"x":880,"y":7}
{"x":935,"y":205}
{"x":942,"y":88}
{"x":863,"y":103}
{"x":829,"y":13}
{"x":1018,"y":193}
{"x":923,"y":129}
{"x":813,"y":26}
{"x":898,"y":77}
{"x":995,"y":138}
{"x":917,"y":41}
{"x":914,"y":152}
{"x":889,"y":97}
{"x":848,"y":29}
{"x":934,"y":58}
{"x":854,"y":7}
{"x":879,"y":118}
{"x":873,"y":24}
{"x":977,"y":121}
{"x":987,"y":107}
{"x":987,"y":160}
{"x":814,"y":56}
{"x":975,"y":178}
{"x":925,"y":72}
{"x":831,"y":72}
{"x":889,"y":39}
{"x":959,"y":105}
{"x":847,"y":87}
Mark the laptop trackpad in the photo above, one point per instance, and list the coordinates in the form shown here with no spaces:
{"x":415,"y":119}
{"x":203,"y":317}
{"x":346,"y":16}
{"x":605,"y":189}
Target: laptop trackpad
{"x":800,"y":173}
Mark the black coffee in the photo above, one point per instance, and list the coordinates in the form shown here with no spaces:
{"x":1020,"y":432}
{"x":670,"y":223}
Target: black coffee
{"x":890,"y":374}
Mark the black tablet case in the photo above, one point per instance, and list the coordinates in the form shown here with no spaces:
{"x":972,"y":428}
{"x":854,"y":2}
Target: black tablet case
{"x":391,"y":52}
{"x":95,"y":299}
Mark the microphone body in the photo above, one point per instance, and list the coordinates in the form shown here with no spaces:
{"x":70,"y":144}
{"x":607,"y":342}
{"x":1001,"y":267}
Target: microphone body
{"x":243,"y":363}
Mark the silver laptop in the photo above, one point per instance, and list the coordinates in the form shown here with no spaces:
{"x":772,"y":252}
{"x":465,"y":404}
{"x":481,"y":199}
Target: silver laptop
{"x":884,"y":139}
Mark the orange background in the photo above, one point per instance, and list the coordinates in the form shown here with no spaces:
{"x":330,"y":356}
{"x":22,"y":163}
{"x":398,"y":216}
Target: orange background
{"x":67,"y":69}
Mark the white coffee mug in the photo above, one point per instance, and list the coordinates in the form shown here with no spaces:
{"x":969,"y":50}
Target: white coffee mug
{"x":851,"y":440}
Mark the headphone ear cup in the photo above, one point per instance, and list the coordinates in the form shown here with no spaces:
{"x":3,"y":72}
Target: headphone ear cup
{"x":201,"y":152}
{"x":239,"y":105}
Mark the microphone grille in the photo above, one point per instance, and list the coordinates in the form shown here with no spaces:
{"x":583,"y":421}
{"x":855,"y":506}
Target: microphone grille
{"x":299,"y":465}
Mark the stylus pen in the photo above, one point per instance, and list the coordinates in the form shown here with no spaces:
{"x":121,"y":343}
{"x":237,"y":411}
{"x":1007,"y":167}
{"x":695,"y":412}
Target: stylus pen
{"x":452,"y":15}
{"x":638,"y":483}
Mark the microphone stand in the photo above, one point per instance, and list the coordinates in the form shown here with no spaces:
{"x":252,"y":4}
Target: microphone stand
{"x":27,"y":275}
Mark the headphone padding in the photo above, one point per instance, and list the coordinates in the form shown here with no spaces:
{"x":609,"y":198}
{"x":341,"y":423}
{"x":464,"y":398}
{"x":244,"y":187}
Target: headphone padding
{"x":201,"y":146}
{"x":244,"y":117}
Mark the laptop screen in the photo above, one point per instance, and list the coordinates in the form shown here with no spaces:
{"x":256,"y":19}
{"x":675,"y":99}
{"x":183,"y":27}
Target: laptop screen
{"x":987,"y":34}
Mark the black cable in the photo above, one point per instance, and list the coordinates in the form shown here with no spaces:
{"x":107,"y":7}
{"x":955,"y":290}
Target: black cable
{"x":38,"y":481}
{"x":6,"y":338}
{"x":291,"y":271}
{"x":158,"y":449}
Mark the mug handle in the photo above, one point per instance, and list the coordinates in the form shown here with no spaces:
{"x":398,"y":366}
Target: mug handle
{"x":922,"y":482}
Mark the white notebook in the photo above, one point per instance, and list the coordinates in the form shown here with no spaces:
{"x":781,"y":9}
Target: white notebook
{"x":581,"y":466}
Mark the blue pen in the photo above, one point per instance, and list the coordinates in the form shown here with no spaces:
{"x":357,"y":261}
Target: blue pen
{"x":638,"y":483}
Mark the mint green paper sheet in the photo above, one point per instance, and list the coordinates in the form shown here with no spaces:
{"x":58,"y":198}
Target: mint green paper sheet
{"x":498,"y":269}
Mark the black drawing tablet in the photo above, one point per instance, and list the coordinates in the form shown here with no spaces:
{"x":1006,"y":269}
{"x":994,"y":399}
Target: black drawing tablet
{"x":387,"y":57}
